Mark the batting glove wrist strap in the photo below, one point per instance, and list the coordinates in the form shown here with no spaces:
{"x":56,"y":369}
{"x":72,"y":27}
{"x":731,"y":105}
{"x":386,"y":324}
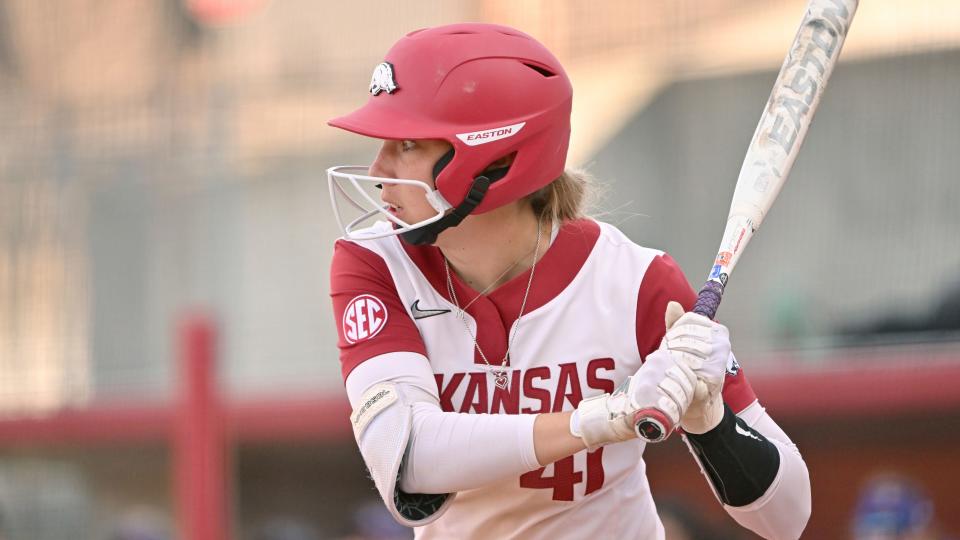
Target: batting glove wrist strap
{"x":603,"y":419}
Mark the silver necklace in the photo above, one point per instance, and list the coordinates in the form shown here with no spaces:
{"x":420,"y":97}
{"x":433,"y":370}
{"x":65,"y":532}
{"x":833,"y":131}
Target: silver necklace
{"x":499,"y":374}
{"x":497,"y":280}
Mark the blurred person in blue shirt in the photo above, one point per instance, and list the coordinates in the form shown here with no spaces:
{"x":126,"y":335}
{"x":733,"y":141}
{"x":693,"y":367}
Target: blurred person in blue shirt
{"x":892,"y":507}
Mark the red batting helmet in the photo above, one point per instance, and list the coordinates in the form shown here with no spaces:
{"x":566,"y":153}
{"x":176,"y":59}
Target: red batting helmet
{"x":489,"y":90}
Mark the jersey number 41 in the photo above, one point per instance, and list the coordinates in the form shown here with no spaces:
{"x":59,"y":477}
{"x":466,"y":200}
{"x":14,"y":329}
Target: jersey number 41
{"x":565,"y":477}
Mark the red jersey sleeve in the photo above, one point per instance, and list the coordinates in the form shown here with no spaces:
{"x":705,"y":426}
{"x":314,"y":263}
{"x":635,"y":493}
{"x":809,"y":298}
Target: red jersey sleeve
{"x":663,"y":282}
{"x":371,"y":319}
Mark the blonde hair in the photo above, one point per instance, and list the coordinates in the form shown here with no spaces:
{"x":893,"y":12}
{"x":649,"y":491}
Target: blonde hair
{"x":568,"y":197}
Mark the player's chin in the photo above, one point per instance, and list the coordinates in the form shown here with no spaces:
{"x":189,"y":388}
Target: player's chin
{"x":413,"y":216}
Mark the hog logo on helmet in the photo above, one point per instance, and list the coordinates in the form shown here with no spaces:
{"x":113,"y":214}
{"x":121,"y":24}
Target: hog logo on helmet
{"x":383,"y":80}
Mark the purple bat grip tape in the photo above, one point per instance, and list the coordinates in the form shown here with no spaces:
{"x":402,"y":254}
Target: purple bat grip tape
{"x":708,"y":299}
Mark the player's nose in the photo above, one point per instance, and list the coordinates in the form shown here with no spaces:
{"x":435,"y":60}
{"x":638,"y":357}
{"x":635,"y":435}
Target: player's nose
{"x":382,"y":164}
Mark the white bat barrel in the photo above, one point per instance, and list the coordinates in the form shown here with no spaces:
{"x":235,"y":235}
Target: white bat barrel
{"x":770,"y":156}
{"x":780,"y":133}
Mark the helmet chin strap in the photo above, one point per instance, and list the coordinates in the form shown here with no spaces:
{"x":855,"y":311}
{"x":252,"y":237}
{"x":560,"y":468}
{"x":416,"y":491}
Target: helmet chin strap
{"x":428,"y":234}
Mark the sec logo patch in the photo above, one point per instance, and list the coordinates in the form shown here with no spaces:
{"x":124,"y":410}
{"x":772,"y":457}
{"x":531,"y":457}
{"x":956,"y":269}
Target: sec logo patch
{"x":364,"y":317}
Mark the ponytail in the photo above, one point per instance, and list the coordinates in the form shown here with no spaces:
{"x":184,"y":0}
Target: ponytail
{"x":565,"y":198}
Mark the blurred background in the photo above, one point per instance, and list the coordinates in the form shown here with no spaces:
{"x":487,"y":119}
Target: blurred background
{"x":168,"y":363}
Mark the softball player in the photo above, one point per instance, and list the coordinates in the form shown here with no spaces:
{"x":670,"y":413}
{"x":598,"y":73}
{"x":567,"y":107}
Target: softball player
{"x":495,"y":342}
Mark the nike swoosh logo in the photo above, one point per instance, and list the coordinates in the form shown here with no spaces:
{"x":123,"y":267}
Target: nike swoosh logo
{"x":424,"y":313}
{"x":746,"y":433}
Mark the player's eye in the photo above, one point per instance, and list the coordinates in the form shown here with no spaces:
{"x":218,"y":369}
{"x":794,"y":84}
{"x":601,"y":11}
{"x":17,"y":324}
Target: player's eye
{"x":407,"y":145}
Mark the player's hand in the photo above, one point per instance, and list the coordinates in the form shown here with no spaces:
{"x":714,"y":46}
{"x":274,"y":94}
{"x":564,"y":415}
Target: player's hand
{"x":665,"y":382}
{"x":704,"y":347}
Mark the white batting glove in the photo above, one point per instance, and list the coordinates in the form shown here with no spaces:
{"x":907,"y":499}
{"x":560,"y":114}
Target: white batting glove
{"x":703,"y":346}
{"x":664,"y":382}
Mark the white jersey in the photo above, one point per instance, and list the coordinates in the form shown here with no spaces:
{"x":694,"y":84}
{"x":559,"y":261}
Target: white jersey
{"x":595,"y":310}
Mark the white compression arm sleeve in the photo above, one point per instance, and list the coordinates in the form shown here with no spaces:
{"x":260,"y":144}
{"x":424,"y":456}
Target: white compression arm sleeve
{"x":783,"y":510}
{"x":448,"y":452}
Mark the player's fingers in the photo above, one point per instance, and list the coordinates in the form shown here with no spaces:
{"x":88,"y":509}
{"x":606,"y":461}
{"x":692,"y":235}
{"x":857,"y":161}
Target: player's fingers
{"x":691,"y":346}
{"x":691,"y":360}
{"x":701,"y":392}
{"x":681,"y":382}
{"x":685,"y":369}
{"x":692,"y":331}
{"x":674,"y":312}
{"x":694,"y":318}
{"x":679,"y":390}
{"x":669,"y":406}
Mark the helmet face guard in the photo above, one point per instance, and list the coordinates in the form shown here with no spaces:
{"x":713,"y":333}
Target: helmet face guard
{"x":362,"y":200}
{"x":488,"y":90}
